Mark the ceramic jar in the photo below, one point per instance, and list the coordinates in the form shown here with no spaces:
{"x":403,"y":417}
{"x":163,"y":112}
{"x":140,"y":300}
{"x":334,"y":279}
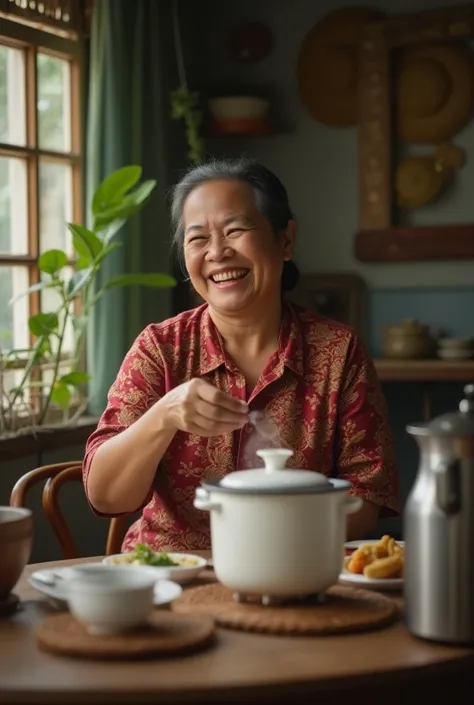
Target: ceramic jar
{"x":408,"y":340}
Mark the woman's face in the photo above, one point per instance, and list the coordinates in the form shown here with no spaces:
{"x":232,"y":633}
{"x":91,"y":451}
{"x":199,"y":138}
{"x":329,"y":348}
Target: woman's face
{"x":233,"y":257}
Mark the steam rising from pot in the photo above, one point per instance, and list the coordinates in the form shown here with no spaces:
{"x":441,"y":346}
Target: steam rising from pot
{"x":262,"y":433}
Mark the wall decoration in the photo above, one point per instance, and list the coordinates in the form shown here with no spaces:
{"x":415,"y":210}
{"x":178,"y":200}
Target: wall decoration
{"x":250,"y":42}
{"x":420,"y":180}
{"x":418,"y":68}
{"x":327,"y":65}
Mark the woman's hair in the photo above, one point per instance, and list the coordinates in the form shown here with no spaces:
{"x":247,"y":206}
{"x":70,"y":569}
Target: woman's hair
{"x":270,"y":196}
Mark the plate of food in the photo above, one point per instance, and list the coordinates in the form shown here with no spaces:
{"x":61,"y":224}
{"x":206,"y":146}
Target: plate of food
{"x":53,"y":584}
{"x":374,"y":564}
{"x":179,"y":567}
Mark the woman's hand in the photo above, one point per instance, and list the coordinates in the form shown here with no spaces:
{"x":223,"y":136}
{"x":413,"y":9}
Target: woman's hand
{"x":198,"y":407}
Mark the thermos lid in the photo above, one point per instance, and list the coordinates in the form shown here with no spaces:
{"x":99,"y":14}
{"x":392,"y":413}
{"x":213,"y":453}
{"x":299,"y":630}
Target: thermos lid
{"x":454,"y":423}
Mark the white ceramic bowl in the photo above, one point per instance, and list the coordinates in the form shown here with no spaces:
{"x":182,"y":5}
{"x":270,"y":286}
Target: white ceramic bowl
{"x":110,"y":599}
{"x":455,"y":353}
{"x":456,"y":343}
{"x":179,"y":574}
{"x":238,"y":108}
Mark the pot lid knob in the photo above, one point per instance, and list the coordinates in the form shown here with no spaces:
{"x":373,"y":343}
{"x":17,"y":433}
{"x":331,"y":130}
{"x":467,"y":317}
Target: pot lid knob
{"x":466,"y":405}
{"x":275,"y":458}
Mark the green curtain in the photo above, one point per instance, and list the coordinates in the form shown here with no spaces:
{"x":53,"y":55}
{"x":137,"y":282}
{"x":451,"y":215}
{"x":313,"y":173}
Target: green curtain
{"x":126,"y":124}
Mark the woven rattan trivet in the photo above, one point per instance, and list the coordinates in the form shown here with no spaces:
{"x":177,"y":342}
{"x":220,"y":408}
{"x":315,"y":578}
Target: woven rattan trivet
{"x":165,"y":634}
{"x":345,"y":610}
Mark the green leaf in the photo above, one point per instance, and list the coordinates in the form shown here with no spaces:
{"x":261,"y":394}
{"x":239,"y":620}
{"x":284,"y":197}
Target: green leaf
{"x":82,"y":263}
{"x":129,"y":205}
{"x":114,"y":187}
{"x":75,"y":378}
{"x":86,"y":243}
{"x":107,"y":250}
{"x":52,"y":261}
{"x":78,"y":322}
{"x":112,"y":229}
{"x":61,"y":395}
{"x":161,"y":281}
{"x":43,"y":324}
{"x":35,"y":287}
{"x":78,"y":281}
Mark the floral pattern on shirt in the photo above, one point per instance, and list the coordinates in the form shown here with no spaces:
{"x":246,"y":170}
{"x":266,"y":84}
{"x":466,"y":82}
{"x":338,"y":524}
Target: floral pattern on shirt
{"x":320,"y":389}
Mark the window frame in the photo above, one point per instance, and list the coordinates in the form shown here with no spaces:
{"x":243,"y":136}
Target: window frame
{"x":32,"y":41}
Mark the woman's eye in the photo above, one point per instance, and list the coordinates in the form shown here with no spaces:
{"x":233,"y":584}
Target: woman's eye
{"x":195,"y":238}
{"x":234,"y":232}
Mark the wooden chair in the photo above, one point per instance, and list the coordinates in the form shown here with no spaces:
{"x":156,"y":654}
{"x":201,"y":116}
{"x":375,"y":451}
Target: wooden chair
{"x":56,"y":476}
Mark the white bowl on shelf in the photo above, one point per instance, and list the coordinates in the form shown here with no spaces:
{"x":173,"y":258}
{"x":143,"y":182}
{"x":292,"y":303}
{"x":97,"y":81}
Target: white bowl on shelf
{"x":456,"y":343}
{"x":238,"y":108}
{"x":455,"y":353}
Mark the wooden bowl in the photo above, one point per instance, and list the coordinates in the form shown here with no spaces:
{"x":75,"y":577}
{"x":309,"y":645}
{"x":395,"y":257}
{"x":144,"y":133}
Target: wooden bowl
{"x":16,"y":540}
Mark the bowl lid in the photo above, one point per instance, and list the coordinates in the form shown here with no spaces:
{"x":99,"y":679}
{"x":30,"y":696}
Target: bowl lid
{"x":274,"y":475}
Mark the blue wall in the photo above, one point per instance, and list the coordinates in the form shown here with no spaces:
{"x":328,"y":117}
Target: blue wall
{"x":450,"y":310}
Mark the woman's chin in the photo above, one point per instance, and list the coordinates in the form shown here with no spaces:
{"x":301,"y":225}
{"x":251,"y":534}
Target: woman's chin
{"x":231,"y":302}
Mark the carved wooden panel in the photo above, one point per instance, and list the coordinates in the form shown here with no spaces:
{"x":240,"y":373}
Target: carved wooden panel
{"x":375,"y":142}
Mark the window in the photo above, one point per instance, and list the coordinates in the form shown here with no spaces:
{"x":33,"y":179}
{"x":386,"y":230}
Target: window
{"x":40,"y":166}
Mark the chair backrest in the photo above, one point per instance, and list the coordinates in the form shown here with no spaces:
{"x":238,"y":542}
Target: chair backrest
{"x":55,"y":476}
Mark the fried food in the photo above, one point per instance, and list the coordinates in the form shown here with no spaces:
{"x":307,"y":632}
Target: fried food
{"x":382,"y":560}
{"x":385,"y":568}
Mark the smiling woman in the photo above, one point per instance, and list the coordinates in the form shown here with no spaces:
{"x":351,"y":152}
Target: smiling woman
{"x":180,"y":407}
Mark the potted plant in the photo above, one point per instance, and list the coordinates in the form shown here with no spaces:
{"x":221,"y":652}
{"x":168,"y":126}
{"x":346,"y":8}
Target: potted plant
{"x":46,"y":395}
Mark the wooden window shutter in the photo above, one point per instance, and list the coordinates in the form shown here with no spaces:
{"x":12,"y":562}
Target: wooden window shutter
{"x":69,"y":15}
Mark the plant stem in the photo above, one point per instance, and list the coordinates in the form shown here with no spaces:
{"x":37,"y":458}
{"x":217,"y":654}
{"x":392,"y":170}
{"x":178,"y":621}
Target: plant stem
{"x":45,"y":408}
{"x":29,"y":366}
{"x":3,"y":425}
{"x":179,"y":46}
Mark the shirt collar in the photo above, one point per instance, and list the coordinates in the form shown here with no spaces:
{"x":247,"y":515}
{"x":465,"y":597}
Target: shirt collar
{"x":212,"y":351}
{"x":290,"y":351}
{"x":291,"y":340}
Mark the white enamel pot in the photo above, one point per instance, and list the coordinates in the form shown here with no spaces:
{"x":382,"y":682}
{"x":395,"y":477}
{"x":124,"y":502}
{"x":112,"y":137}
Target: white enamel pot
{"x":277,"y":532}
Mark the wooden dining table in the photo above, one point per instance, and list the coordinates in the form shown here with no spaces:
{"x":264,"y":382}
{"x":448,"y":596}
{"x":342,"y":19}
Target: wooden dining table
{"x":387,"y":666}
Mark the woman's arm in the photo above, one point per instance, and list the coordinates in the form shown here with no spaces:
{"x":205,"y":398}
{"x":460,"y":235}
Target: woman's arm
{"x":140,"y":422}
{"x":123,"y":453}
{"x":364,"y":445}
{"x":123,"y":468}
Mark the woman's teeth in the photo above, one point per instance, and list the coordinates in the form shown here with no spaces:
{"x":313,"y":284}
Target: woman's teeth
{"x":229,"y":276}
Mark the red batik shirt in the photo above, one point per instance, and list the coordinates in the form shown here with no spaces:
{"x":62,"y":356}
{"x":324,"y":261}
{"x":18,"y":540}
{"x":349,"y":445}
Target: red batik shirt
{"x":319,"y":388}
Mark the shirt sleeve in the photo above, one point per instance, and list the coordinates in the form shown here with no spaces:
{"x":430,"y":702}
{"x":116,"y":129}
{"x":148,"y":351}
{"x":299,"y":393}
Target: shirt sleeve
{"x":140,"y":382}
{"x":364,"y":445}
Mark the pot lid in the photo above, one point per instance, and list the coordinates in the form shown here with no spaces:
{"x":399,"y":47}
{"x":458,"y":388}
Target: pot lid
{"x":454,"y":423}
{"x":274,"y":475}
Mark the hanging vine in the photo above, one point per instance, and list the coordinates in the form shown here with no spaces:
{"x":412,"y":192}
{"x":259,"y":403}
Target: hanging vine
{"x":185,"y":103}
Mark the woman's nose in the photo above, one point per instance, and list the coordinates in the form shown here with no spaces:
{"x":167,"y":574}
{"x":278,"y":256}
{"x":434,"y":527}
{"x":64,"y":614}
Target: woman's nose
{"x":218,"y":249}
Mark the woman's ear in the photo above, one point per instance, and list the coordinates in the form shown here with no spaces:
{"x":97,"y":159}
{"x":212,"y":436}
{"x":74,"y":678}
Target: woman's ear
{"x":288,"y":239}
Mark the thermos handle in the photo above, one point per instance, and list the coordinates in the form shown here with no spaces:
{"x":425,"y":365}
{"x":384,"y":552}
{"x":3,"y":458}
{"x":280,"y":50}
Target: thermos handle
{"x":448,"y":486}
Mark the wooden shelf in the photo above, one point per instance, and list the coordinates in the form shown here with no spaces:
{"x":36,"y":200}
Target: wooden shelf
{"x":415,"y":243}
{"x":425,"y":370}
